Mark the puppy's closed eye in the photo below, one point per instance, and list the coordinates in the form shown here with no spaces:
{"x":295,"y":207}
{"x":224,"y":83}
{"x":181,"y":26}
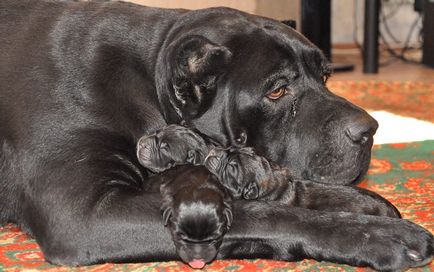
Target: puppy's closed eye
{"x":194,"y":157}
{"x":166,"y":206}
{"x":251,"y":191}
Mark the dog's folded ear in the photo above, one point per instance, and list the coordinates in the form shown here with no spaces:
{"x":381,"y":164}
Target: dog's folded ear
{"x":199,"y":63}
{"x":198,"y":57}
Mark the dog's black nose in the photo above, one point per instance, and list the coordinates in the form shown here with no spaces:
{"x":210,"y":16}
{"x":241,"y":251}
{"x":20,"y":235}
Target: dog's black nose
{"x":360,"y":128}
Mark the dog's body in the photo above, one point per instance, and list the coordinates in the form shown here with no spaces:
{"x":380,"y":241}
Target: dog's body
{"x":198,"y":211}
{"x":80,"y":82}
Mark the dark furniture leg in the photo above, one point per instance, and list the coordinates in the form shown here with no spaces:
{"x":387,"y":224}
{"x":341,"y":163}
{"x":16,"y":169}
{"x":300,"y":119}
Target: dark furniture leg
{"x":370,"y":39}
{"x":316,"y":26}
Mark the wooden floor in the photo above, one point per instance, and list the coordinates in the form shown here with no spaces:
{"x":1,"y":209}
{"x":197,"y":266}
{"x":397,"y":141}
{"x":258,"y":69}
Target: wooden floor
{"x":395,"y":71}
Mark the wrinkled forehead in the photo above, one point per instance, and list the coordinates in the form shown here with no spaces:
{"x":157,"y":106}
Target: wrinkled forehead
{"x":255,"y":42}
{"x":265,"y":53}
{"x":256,"y":55}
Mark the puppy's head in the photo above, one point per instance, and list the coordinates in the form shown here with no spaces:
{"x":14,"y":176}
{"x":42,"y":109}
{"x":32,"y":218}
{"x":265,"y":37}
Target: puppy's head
{"x":243,"y":172}
{"x":197,"y":221}
{"x":170,"y":146}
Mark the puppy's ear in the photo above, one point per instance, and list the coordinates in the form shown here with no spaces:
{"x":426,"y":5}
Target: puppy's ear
{"x":166,"y":205}
{"x":228,"y":214}
{"x":199,"y":62}
{"x":167,"y":213}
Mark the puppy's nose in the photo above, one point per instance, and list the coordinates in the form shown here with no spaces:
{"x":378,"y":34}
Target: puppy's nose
{"x":360,"y":128}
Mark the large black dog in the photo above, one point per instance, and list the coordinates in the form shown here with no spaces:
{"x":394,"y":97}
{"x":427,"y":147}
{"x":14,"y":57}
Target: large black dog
{"x":80,"y":82}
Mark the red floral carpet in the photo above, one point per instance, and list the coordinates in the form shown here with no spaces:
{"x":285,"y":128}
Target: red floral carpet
{"x":402,"y":173}
{"x":412,"y":99}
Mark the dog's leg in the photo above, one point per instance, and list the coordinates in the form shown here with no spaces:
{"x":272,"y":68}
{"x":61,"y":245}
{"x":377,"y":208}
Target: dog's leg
{"x":340,"y":198}
{"x":86,"y":223}
{"x":272,"y":230}
{"x":90,"y":207}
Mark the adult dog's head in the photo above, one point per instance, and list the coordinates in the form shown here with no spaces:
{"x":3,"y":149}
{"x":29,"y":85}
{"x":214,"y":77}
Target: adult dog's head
{"x":245,"y":80}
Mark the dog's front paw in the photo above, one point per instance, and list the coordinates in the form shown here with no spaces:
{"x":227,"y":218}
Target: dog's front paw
{"x":399,"y":246}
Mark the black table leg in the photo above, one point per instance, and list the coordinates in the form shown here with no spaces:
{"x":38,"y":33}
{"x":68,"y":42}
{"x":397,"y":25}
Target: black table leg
{"x":370,"y":39}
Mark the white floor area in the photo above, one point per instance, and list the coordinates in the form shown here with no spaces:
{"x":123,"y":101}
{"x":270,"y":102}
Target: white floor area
{"x":399,"y":129}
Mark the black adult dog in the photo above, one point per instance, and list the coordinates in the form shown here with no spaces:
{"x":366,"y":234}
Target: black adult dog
{"x":81,"y":82}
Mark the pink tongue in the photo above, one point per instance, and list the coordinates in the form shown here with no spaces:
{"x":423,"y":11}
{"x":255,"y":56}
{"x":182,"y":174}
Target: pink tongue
{"x":197,"y":264}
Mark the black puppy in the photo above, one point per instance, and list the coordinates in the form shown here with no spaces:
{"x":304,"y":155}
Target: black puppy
{"x":250,"y":176}
{"x":197,"y":210}
{"x":196,"y":207}
{"x":173,"y":145}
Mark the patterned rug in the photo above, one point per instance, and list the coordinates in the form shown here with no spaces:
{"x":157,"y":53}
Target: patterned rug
{"x":402,"y":173}
{"x":412,"y":99}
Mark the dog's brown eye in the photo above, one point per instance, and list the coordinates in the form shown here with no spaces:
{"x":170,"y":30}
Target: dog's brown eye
{"x":278,"y":93}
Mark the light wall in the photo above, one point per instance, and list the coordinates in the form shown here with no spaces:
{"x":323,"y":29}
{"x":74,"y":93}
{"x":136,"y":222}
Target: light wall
{"x":276,"y":9}
{"x":347,"y":15}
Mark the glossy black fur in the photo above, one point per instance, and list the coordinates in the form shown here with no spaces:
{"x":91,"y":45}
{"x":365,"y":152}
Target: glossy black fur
{"x":195,"y":206}
{"x":171,"y":146}
{"x":198,"y":211}
{"x":250,"y":176}
{"x":80,"y":82}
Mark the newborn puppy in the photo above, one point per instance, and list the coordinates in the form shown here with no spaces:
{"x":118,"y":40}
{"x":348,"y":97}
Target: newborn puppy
{"x":248,"y":175}
{"x":196,"y":207}
{"x":197,"y":210}
{"x":171,"y":146}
